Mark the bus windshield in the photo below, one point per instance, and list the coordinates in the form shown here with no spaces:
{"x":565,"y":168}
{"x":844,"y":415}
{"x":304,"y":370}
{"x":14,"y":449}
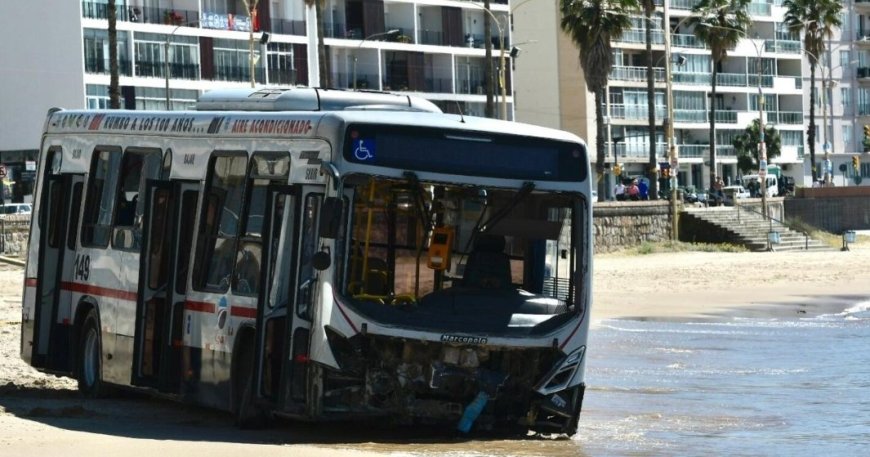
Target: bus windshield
{"x":462,"y":258}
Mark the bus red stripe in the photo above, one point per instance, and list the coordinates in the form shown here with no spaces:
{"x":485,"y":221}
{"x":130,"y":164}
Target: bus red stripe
{"x":243,"y":312}
{"x":97,"y":290}
{"x":30,"y":282}
{"x":199,"y":306}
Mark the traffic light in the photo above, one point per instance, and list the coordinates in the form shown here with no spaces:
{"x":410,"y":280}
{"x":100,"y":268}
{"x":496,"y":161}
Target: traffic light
{"x":867,"y":131}
{"x":617,"y":169}
{"x":666,"y":172}
{"x":856,"y":162}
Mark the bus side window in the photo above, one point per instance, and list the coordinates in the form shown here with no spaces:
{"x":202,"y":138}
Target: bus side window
{"x":219,"y":222}
{"x":100,"y":199}
{"x":137,"y":167}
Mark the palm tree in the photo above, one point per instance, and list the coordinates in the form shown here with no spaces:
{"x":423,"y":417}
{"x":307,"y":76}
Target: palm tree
{"x":322,"y":58}
{"x":720,"y":24}
{"x":649,"y":8}
{"x":114,"y":89}
{"x":593,"y":25}
{"x":817,"y":19}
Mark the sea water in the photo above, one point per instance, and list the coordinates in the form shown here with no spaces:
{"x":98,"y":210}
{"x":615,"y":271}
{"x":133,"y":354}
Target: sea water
{"x":734,"y":387}
{"x":790,"y":387}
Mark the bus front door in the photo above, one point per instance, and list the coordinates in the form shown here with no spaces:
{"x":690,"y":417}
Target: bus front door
{"x":281,"y":333}
{"x":170,"y":210}
{"x":48,"y":335}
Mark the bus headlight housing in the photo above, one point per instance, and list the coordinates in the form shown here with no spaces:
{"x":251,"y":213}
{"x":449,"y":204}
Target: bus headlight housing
{"x":560,"y":377}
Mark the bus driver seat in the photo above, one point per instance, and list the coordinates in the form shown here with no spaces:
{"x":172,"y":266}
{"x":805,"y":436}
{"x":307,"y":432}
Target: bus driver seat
{"x":488,"y":267}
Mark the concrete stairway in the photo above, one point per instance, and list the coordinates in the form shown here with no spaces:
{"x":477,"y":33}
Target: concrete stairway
{"x":750,"y":229}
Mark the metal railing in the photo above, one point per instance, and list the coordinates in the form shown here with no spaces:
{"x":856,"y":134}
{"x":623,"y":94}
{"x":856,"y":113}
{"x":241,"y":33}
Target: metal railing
{"x":683,"y":40}
{"x":288,"y":27}
{"x":783,"y":46}
{"x":635,"y":35}
{"x":638,"y":74}
{"x":771,"y":220}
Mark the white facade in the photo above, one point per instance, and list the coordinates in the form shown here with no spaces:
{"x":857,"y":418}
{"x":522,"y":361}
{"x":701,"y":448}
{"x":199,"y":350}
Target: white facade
{"x":436,"y":51}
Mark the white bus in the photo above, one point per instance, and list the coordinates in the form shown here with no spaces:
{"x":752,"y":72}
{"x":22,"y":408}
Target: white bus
{"x":315,"y":254}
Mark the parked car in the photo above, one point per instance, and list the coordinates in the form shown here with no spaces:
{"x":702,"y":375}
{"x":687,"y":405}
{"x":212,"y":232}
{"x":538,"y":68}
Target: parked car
{"x":16,"y":208}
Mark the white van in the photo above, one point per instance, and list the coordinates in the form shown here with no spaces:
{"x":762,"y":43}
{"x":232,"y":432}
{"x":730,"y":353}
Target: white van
{"x":772,"y":184}
{"x":16,"y":208}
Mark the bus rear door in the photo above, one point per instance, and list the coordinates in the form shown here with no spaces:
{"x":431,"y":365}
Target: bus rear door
{"x":168,"y":232}
{"x":59,"y":210}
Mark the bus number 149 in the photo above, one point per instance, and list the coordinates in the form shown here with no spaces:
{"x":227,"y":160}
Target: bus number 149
{"x":82,"y":267}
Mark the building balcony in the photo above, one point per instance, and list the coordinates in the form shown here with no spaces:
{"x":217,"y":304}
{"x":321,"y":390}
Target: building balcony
{"x":862,"y":6}
{"x":470,"y":86}
{"x":783,"y":46}
{"x":683,"y":40}
{"x":786,"y":117}
{"x":287,"y":27}
{"x":240,"y":73}
{"x":636,"y":112}
{"x":759,"y":8}
{"x":439,"y":85}
{"x":684,"y":4}
{"x":638,"y":35}
{"x":639,"y":151}
{"x":636,"y":74}
{"x":218,"y":21}
{"x":433,"y":37}
{"x":283,"y":76}
{"x":101,"y":66}
{"x":156,"y":69}
{"x":863,"y":72}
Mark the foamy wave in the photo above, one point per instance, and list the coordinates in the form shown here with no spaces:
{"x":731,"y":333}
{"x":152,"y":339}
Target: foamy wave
{"x":859,"y":311}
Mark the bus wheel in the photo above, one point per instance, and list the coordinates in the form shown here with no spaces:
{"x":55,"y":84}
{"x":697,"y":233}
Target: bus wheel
{"x":248,"y":414}
{"x":89,"y":369}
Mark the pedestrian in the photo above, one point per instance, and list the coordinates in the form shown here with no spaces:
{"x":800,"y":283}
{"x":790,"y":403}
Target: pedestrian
{"x":643,"y":189}
{"x":619,"y":190}
{"x":632,"y":191}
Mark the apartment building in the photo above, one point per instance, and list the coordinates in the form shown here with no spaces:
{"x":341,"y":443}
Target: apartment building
{"x":769,"y":61}
{"x":845,"y":74}
{"x":434,"y":48}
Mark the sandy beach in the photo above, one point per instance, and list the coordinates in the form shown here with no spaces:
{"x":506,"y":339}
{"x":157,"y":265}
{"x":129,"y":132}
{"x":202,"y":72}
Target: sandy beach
{"x":43,"y":414}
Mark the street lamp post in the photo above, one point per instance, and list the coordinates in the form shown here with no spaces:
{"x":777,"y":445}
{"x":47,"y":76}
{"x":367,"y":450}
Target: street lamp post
{"x":166,"y":58}
{"x":673,"y":156}
{"x":374,"y":35}
{"x":251,"y":7}
{"x":501,"y":64}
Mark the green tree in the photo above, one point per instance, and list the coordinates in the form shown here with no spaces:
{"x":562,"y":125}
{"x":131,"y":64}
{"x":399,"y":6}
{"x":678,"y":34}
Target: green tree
{"x":746,"y":146}
{"x":114,"y":85}
{"x":649,"y":8}
{"x":719,"y":24}
{"x":593,"y":25}
{"x":817,"y":19}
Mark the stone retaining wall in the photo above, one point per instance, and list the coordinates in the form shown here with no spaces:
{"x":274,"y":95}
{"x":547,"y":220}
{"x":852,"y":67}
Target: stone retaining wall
{"x":14,"y":231}
{"x":624,"y":224}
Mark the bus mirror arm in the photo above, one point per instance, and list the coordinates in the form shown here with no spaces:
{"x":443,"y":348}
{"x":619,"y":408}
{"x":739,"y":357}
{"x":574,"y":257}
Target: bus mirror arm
{"x":330,"y":169}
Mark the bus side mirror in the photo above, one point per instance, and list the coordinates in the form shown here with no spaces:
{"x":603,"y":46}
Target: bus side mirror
{"x":330,"y":217}
{"x":321,"y":261}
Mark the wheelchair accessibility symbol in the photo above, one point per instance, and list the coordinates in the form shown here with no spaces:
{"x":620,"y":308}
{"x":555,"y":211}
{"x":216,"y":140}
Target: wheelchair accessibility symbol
{"x":364,"y":150}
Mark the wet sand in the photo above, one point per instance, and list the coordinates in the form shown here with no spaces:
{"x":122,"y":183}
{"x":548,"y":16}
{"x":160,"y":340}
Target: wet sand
{"x":42,"y":414}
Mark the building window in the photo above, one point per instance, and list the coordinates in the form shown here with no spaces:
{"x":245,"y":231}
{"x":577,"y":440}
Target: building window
{"x":97,"y":96}
{"x":845,"y":97}
{"x":847,"y":136}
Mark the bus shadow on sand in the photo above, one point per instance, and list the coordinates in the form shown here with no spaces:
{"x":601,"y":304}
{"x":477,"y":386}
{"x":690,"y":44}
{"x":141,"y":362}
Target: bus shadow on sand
{"x":136,"y":415}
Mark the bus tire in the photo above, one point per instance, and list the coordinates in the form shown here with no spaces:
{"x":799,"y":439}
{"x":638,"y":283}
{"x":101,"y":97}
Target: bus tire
{"x":90,"y":360}
{"x":247,"y":414}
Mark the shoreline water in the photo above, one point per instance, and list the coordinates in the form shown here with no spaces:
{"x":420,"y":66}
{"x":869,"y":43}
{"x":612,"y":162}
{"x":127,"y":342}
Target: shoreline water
{"x":678,"y":287}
